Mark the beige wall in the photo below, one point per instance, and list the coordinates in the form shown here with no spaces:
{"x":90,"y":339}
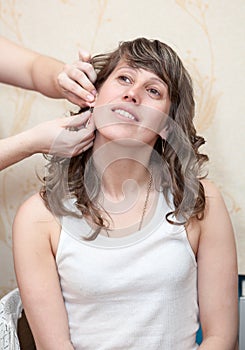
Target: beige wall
{"x":208,"y":35}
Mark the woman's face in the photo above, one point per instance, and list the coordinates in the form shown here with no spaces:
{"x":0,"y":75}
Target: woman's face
{"x":133,"y":103}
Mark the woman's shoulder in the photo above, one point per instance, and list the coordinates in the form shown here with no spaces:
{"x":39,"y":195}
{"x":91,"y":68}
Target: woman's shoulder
{"x":34,"y":205}
{"x":215,"y":208}
{"x":34,"y":223}
{"x":210,"y":188}
{"x":33,"y":211}
{"x":213,"y":196}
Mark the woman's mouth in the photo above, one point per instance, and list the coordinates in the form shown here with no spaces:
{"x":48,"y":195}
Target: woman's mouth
{"x":125,"y":114}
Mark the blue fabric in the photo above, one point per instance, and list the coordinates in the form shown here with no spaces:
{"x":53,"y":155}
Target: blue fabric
{"x":199,"y":336}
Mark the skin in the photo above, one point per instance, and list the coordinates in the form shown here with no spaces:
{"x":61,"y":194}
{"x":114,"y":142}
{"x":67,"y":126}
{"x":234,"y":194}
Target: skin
{"x":52,"y":137}
{"x":76,"y":81}
{"x":36,"y":231}
{"x":149,"y":95}
{"x":30,"y":70}
{"x":27,"y":69}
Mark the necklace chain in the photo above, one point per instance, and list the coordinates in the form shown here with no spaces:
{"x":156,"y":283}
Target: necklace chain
{"x":145,"y":204}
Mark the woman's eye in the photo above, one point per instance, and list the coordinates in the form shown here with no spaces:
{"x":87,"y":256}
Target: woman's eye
{"x":124,"y":78}
{"x":154,"y":92}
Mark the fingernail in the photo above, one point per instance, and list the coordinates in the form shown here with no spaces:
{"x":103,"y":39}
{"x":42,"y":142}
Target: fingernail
{"x":94,"y":92}
{"x":90,"y":97}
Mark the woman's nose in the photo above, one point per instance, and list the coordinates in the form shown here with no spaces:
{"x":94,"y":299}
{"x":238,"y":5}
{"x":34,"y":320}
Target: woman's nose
{"x":132,"y":95}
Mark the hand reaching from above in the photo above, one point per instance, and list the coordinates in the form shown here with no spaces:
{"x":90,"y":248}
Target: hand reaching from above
{"x":76,"y":81}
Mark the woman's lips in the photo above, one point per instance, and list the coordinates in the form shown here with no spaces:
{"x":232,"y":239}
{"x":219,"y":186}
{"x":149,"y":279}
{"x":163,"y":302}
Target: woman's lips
{"x":126,"y":114}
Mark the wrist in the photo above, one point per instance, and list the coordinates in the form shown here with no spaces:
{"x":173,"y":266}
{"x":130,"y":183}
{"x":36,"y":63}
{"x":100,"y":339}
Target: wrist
{"x":28,"y":142}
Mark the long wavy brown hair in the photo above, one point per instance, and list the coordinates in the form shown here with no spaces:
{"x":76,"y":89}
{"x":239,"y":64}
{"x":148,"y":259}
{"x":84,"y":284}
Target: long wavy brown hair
{"x":182,"y":170}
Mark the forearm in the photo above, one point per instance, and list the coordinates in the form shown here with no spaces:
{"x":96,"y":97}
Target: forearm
{"x":31,"y":70}
{"x":14,"y":149}
{"x":28,"y":69}
{"x":44,"y":73}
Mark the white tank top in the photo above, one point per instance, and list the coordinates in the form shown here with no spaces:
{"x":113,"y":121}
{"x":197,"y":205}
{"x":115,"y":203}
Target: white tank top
{"x":135,"y":292}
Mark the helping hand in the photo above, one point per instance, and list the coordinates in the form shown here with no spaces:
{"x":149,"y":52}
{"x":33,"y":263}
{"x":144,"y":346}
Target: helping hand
{"x":65,"y":137}
{"x":76,"y":81}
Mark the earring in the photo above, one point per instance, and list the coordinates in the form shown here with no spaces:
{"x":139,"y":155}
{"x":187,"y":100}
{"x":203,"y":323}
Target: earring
{"x":163,"y":145}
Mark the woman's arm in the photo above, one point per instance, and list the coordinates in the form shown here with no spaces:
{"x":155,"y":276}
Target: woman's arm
{"x":35,"y":234}
{"x":27,"y":69}
{"x":217,"y":275}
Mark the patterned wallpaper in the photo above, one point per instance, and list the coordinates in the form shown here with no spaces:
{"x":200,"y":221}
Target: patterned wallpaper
{"x":208,"y":35}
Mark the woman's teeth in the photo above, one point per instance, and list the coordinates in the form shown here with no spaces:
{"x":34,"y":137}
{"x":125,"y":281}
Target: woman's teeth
{"x":125,"y":114}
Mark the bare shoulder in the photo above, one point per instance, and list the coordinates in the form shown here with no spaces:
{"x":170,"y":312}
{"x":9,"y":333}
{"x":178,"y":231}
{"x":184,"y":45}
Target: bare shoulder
{"x":214,"y":208}
{"x":210,"y":188}
{"x":214,"y":203}
{"x":213,"y":197}
{"x":34,"y":208}
{"x":32,"y":218}
{"x":216,"y":215}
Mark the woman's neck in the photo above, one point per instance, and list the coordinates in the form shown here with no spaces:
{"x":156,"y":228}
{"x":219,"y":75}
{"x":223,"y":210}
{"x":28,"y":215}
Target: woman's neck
{"x":123,"y":165}
{"x":127,"y":187}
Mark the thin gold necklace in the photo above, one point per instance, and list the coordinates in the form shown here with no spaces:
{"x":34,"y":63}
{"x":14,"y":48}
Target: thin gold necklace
{"x":145,"y":204}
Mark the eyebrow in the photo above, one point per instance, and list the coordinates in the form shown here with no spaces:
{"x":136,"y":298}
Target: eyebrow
{"x":155,"y":78}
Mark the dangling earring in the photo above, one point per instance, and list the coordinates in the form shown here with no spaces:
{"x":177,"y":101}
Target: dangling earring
{"x":163,"y":145}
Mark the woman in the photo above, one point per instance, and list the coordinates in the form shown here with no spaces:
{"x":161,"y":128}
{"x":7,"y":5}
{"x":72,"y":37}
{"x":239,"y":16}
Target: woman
{"x":123,"y":249}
